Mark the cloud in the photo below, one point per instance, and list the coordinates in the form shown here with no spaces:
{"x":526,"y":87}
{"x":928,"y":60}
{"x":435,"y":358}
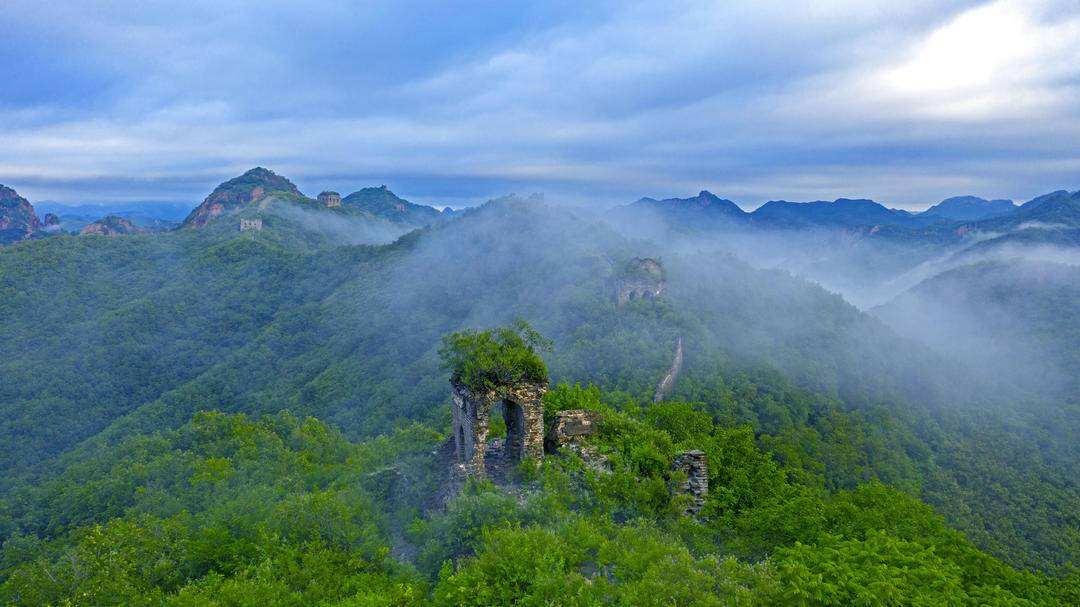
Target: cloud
{"x":1005,"y":59}
{"x":904,"y":102}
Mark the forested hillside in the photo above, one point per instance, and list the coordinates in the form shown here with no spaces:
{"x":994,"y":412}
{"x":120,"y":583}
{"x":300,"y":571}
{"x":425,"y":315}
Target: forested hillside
{"x":824,"y":428}
{"x":227,"y":510}
{"x":1008,"y":318}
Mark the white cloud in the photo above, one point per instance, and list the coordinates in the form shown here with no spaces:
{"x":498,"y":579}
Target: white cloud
{"x":905,"y":102}
{"x":1005,"y":59}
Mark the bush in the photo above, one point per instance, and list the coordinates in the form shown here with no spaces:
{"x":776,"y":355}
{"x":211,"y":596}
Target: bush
{"x":488,"y":359}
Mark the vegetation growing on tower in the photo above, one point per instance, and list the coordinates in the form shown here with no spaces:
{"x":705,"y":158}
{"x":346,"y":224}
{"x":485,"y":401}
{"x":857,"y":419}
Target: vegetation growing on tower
{"x":501,"y":356}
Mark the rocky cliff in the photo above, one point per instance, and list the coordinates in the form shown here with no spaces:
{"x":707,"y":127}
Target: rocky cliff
{"x":249,"y":188}
{"x":18,"y":221}
{"x":112,"y":226}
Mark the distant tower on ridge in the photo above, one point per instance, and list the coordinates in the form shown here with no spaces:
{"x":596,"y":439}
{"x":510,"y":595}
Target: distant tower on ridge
{"x":330,"y":199}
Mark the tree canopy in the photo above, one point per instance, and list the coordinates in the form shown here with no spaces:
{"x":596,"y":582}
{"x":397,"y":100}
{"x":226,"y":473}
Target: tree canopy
{"x":496,"y":357}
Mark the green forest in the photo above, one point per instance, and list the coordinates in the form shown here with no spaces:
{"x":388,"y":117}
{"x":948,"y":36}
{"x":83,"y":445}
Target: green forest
{"x":227,"y":510}
{"x":213,"y":417}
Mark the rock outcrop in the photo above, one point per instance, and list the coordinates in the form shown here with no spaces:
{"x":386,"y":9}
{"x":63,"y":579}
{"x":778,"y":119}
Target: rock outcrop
{"x":690,"y":476}
{"x":249,"y":188}
{"x":51,"y":224}
{"x":641,"y":278}
{"x":18,"y":221}
{"x":112,"y":226}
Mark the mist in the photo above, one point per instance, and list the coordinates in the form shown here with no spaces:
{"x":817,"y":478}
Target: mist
{"x":354,"y":370}
{"x":558,"y":267}
{"x":970,"y":297}
{"x":1003,"y":315}
{"x":340,"y":227}
{"x":339,"y":316}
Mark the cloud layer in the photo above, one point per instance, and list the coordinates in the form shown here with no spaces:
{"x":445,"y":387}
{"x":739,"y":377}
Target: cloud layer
{"x":906,"y":103}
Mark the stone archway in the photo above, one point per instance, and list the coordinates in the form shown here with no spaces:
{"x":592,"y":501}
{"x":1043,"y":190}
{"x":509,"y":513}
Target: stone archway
{"x":523,"y":410}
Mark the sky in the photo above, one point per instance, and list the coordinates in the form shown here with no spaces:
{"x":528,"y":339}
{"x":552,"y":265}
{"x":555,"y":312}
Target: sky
{"x":597,"y":102}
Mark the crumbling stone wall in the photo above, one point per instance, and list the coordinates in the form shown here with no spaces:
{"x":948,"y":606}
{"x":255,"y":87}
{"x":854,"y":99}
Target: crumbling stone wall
{"x":570,"y":432}
{"x":571,"y":427}
{"x":696,"y":467}
{"x":523,"y":411}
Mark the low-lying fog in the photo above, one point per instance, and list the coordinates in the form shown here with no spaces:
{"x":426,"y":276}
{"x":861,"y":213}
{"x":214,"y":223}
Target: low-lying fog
{"x":1002,"y":303}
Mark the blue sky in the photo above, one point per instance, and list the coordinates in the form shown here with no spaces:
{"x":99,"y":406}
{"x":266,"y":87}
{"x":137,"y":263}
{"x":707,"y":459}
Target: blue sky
{"x":453,"y":103}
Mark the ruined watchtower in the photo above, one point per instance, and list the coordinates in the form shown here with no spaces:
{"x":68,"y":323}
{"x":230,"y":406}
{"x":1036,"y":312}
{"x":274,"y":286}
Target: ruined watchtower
{"x":642,"y":277}
{"x":523,"y":410}
{"x":330,"y":199}
{"x":695,"y":466}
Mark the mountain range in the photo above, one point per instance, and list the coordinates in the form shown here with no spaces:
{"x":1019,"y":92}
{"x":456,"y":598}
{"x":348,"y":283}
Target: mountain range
{"x":857,"y":247}
{"x":969,"y":208}
{"x":254,"y":189}
{"x":258,"y":394}
{"x":950,"y":219}
{"x":709,"y":211}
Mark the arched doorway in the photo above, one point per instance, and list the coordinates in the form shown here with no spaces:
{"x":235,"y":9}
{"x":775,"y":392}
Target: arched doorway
{"x":479,"y":415}
{"x":463,"y":454}
{"x":514,"y":416}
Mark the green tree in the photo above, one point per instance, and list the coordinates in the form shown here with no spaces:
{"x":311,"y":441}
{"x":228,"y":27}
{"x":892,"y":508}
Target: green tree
{"x":486,"y":359}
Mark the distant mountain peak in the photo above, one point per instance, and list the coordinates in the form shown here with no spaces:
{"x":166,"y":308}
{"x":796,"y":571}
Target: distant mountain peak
{"x":1045,"y":198}
{"x":260,"y":177}
{"x":839,"y":213}
{"x":970,"y":208}
{"x":382,"y":202}
{"x":238,"y":192}
{"x":259,"y":172}
{"x":1061,"y":206}
{"x":705,"y":201}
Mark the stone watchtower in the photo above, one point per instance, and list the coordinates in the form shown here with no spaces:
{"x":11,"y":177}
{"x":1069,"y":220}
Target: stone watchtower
{"x":330,"y":199}
{"x":641,"y":278}
{"x":522,"y":407}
